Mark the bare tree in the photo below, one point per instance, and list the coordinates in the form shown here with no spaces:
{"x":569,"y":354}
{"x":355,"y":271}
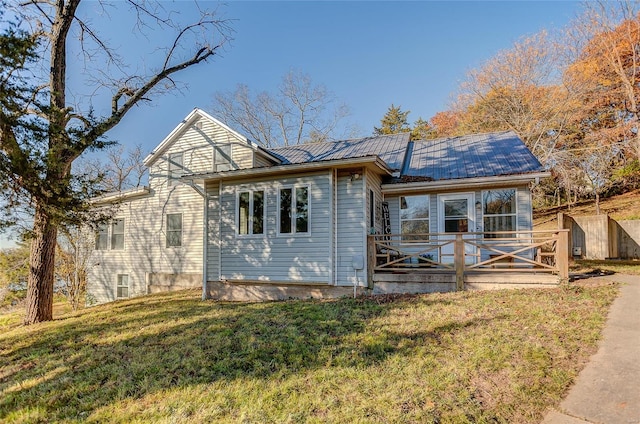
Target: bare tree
{"x":121,"y":168}
{"x":45,"y":127}
{"x":519,"y":89}
{"x":298,"y":112}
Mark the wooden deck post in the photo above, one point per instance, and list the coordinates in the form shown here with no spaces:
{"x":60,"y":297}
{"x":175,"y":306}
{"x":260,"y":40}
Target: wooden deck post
{"x":458,"y":260}
{"x":371,"y":260}
{"x":562,"y":255}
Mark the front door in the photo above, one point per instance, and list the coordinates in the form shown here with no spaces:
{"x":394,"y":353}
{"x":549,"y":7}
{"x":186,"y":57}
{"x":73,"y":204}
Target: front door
{"x":456,"y":215}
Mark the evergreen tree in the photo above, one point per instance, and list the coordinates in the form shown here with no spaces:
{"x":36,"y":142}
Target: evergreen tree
{"x":395,"y":121}
{"x":42,"y":132}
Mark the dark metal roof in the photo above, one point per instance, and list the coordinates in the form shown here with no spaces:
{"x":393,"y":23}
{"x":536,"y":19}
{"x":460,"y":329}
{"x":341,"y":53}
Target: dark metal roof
{"x":470,"y":156}
{"x":478,"y":155}
{"x":390,"y":148}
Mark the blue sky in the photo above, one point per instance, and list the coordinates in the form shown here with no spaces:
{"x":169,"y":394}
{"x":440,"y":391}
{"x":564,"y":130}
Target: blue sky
{"x":369,"y":54}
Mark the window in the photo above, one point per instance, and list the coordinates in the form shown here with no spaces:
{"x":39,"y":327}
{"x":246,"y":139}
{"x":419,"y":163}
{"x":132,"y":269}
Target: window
{"x":102,"y":237}
{"x":122,"y":286}
{"x":176,"y":167}
{"x":222,"y":158}
{"x":250,"y":212}
{"x":499,"y":210}
{"x":117,"y":234}
{"x":414,"y":217}
{"x":174,"y":229}
{"x":294,"y":210}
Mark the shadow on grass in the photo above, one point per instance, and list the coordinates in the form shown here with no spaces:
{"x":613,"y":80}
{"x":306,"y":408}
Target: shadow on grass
{"x":70,"y":368}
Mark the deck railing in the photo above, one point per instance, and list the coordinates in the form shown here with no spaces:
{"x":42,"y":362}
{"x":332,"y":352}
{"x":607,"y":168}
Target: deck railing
{"x":521,"y":251}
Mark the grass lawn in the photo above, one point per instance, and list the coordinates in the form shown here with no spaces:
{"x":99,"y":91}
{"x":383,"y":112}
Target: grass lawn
{"x":616,"y":266}
{"x":477,"y":357}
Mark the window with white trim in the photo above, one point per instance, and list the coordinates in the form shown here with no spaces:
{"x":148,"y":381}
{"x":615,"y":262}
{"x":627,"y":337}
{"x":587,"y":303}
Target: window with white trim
{"x":250,"y":212}
{"x":294,"y":210}
{"x":174,"y":230}
{"x":499,"y":211}
{"x":176,"y":167}
{"x":102,"y":237}
{"x":122,"y":286}
{"x":117,"y":234}
{"x":414,"y":217}
{"x":222,"y":157}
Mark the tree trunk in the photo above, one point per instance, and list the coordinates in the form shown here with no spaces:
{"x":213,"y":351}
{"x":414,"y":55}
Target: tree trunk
{"x":41,"y":271}
{"x":597,"y":203}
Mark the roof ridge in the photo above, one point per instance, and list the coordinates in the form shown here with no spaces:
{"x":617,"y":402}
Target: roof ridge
{"x":468,"y":135}
{"x":315,"y":143}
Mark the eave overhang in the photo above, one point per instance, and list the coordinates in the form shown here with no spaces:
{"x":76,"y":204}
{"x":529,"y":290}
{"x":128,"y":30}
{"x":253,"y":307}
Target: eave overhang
{"x":464,"y":183}
{"x":373,"y":163}
{"x":120,"y":196}
{"x":192,"y":117}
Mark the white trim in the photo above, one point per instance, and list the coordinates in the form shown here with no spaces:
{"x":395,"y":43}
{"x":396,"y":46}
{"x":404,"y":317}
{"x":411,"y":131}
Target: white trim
{"x":120,"y":196}
{"x":205,"y":241}
{"x":514,"y":214}
{"x":219,"y":238}
{"x":333,"y":190}
{"x":372,"y":161}
{"x":166,"y":231}
{"x":218,"y":147}
{"x":124,"y":234}
{"x":471,"y":215}
{"x":239,"y":190}
{"x":469,"y":196}
{"x":428,"y":218}
{"x":128,"y":286}
{"x":293,"y":232}
{"x":186,"y":122}
{"x":464,"y":183}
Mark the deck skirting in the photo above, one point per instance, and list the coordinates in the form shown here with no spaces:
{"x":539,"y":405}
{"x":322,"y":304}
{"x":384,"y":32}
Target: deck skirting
{"x":432,"y":282}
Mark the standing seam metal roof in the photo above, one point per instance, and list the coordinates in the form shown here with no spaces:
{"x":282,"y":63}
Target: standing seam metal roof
{"x":477,"y":155}
{"x":390,"y":148}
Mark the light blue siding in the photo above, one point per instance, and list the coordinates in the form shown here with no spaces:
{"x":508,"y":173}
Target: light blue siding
{"x":213,"y":231}
{"x":272,"y":256}
{"x":351,"y":228}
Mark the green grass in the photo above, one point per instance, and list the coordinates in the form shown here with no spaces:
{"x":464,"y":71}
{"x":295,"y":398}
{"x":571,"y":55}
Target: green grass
{"x":477,"y":357}
{"x":620,"y":267}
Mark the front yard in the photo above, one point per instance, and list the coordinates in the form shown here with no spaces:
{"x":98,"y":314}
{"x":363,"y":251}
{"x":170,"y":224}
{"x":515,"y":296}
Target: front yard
{"x":495,"y":356}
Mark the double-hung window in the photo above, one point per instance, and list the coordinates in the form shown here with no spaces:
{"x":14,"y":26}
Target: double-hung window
{"x":174,"y":230}
{"x":294,"y":210}
{"x":117,"y":234}
{"x":110,"y":236}
{"x":250,"y":212}
{"x":176,"y":167}
{"x":414,"y":217}
{"x":499,"y":211}
{"x":222,"y":158}
{"x":102,"y":237}
{"x":122,"y":286}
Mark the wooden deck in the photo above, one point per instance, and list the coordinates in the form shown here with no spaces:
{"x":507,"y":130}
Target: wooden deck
{"x":457,"y":261}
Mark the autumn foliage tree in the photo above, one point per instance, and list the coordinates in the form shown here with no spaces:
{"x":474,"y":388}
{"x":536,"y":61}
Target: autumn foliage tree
{"x":44,"y":127}
{"x":572,"y":96}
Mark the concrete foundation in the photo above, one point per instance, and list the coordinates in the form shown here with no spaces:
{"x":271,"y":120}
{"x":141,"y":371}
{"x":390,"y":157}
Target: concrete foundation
{"x":251,"y":291}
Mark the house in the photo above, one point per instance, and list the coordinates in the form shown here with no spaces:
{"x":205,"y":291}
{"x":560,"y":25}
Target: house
{"x":319,"y":219}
